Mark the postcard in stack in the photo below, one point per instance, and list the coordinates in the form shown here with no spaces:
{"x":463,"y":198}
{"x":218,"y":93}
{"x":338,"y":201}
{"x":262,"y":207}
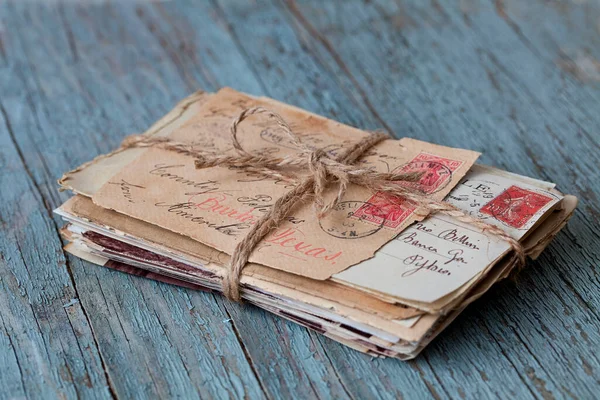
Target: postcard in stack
{"x":373,"y":272}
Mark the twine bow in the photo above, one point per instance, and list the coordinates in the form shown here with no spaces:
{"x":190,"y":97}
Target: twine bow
{"x":324,"y":170}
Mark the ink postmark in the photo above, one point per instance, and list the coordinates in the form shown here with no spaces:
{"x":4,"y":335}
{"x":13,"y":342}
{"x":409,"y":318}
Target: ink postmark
{"x":341,"y":222}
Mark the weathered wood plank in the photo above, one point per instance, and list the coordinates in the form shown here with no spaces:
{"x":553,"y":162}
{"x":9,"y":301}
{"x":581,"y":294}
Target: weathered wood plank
{"x":520,"y":150}
{"x":46,"y":344}
{"x":460,"y":79}
{"x":112,"y":321}
{"x":154,"y":340}
{"x":320,"y":379}
{"x":243,"y":322}
{"x":298,"y":77}
{"x":475,"y":74}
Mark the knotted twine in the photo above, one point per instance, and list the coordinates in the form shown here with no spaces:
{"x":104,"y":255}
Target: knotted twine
{"x":323,"y":170}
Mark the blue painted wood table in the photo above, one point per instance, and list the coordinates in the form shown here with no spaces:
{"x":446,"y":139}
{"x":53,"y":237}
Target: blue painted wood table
{"x":516,"y":80}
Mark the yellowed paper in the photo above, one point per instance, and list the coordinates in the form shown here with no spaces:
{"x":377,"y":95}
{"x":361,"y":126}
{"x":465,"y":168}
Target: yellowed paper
{"x":184,"y":249}
{"x":397,"y":331}
{"x":435,"y":257}
{"x":217,"y":206}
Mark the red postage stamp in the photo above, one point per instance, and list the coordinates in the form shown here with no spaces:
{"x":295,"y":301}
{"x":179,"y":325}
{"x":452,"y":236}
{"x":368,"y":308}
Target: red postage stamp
{"x":437,"y":173}
{"x":516,"y":206}
{"x":383,"y":209}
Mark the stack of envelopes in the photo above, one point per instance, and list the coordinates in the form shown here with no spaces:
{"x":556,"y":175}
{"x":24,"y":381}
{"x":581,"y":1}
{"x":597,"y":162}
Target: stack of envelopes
{"x":372,"y":273}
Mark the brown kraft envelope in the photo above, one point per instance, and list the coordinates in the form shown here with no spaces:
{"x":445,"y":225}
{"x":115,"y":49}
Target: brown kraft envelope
{"x":217,"y":206}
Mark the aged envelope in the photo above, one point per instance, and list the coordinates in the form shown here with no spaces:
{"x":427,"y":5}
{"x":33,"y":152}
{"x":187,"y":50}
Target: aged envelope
{"x":435,"y":257}
{"x":189,"y":251}
{"x":501,"y":200}
{"x":217,"y":206}
{"x":348,"y":312}
{"x":429,"y":325}
{"x":363,"y":318}
{"x":424,"y":327}
{"x":89,"y":177}
{"x":427,"y":261}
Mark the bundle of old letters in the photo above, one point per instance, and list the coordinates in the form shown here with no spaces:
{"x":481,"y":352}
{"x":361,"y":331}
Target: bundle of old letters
{"x":374,"y":242}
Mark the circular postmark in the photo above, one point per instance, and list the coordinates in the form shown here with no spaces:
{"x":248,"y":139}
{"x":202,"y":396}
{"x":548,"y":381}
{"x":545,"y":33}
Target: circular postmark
{"x":436,"y":175}
{"x":343,"y":221}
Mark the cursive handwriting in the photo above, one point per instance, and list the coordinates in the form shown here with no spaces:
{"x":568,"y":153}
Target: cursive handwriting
{"x":456,"y":256}
{"x":292,"y":240}
{"x":452,"y":235}
{"x":411,"y":239}
{"x":420,"y":263}
{"x":163,"y":171}
{"x":186,"y":211}
{"x":422,"y":227}
{"x":215,"y":205}
{"x":126,"y":189}
{"x":252,"y":176}
{"x":262,"y":203}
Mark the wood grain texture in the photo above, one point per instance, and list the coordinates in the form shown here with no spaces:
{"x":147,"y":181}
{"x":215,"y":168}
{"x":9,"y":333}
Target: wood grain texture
{"x":519,"y":81}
